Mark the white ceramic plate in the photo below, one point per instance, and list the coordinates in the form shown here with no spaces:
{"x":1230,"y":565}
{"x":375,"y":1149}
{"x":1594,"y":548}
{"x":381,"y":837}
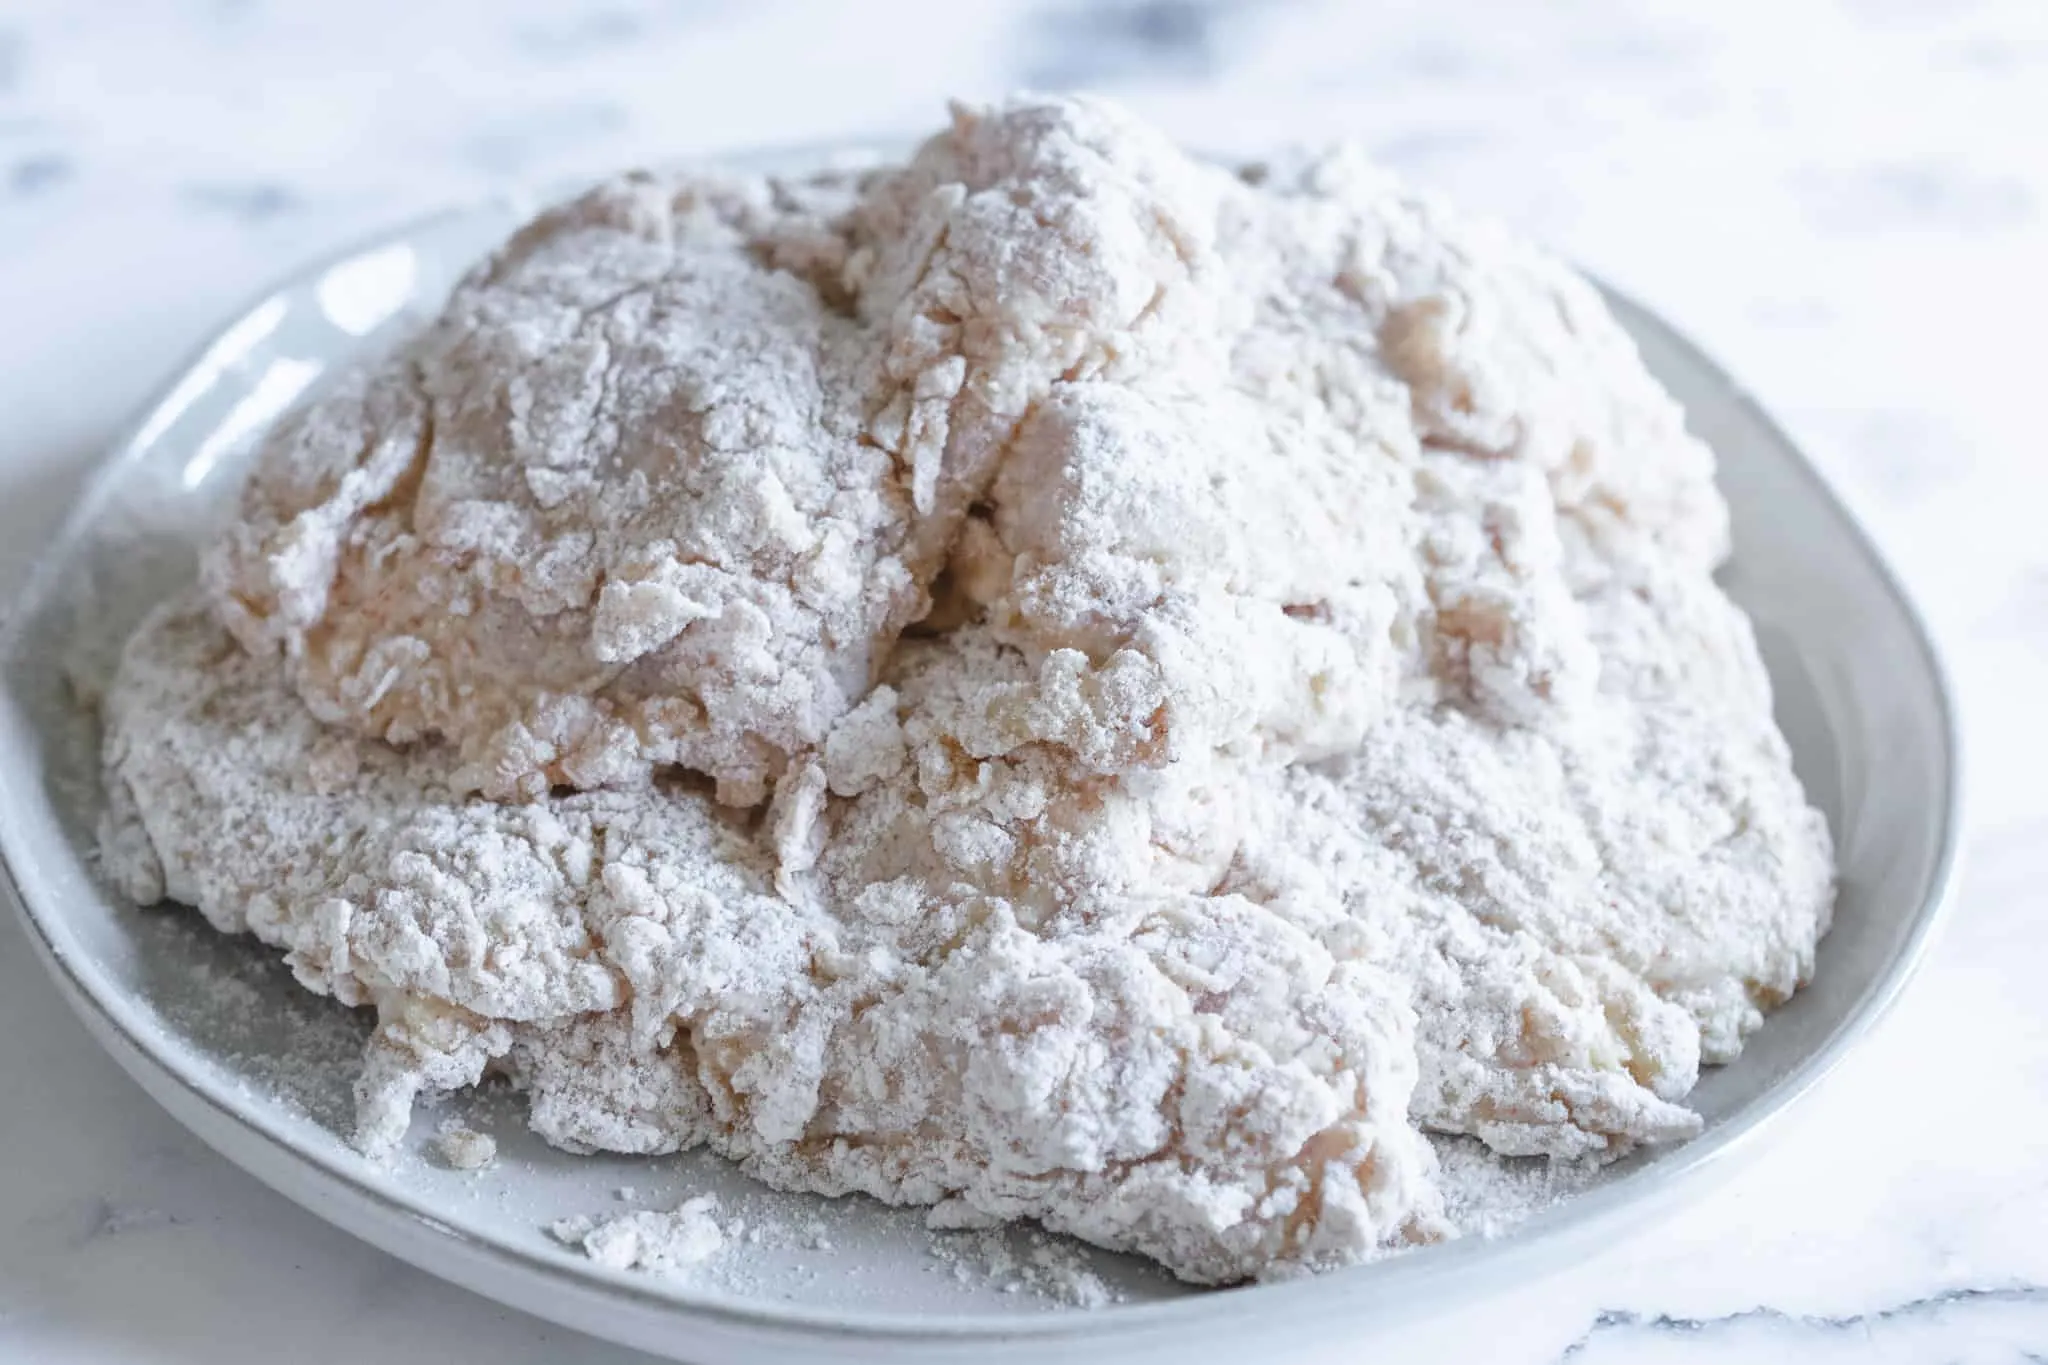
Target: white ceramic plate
{"x":226,"y":1042}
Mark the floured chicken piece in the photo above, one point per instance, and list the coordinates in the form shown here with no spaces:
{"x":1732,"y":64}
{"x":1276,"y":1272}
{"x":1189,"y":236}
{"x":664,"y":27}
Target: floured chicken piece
{"x":1052,"y":681}
{"x":674,"y":468}
{"x":1192,"y":1076}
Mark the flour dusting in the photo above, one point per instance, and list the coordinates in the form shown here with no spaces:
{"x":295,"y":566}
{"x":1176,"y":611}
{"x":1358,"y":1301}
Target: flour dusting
{"x":1045,"y":1268}
{"x":1052,"y":681}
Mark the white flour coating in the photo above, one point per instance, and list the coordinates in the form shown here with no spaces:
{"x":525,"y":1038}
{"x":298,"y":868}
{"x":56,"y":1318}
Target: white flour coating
{"x":1056,"y":681}
{"x":665,"y":1242}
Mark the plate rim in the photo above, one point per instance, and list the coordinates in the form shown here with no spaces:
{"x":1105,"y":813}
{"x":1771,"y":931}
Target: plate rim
{"x":1481,"y":1261}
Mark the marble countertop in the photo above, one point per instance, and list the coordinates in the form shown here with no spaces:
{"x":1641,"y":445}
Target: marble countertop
{"x":1844,"y":201}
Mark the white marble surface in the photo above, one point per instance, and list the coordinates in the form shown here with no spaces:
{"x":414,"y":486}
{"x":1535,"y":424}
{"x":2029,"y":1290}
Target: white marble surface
{"x":1845,"y":201}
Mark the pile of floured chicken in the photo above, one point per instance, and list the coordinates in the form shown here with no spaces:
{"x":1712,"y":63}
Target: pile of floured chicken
{"x":1054,"y":680}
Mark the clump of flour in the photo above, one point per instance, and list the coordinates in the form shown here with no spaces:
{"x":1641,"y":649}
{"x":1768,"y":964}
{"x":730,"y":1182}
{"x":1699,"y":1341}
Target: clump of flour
{"x":666,"y":1242}
{"x":462,"y":1148}
{"x":1052,"y":681}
